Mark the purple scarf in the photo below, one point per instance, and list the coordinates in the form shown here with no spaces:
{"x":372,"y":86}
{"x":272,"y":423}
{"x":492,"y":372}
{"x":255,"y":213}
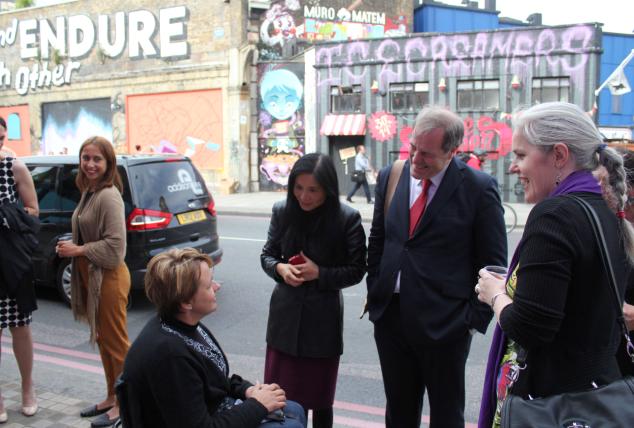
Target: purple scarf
{"x":578,"y":181}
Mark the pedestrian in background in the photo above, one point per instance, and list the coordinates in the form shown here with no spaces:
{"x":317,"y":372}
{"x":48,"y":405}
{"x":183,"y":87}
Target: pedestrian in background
{"x":16,"y":305}
{"x":445,"y":222}
{"x":176,"y":374}
{"x":315,"y":248}
{"x":359,"y":178}
{"x":100,"y":280}
{"x":556,"y":303}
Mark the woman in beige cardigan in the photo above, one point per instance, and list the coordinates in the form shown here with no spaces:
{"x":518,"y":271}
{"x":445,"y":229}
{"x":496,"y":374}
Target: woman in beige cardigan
{"x":100,"y":281}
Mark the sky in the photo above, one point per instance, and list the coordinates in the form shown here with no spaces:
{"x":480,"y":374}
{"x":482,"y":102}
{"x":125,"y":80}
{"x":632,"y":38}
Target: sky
{"x":616,"y":15}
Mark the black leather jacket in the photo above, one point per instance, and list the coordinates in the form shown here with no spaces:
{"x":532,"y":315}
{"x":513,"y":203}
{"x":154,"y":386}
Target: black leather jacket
{"x":18,"y":240}
{"x":307,"y":321}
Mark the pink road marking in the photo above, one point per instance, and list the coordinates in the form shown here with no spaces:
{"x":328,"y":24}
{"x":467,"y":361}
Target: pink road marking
{"x":359,"y":408}
{"x":353,"y":407}
{"x":61,"y":362}
{"x":61,"y":351}
{"x":379,"y":411}
{"x":358,"y":423}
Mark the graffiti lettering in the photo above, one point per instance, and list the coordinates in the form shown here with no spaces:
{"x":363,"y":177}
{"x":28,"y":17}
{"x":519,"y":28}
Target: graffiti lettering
{"x":462,"y":54}
{"x":481,"y":135}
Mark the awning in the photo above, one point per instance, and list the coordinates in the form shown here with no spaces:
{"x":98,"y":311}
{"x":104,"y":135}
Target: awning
{"x":343,"y":124}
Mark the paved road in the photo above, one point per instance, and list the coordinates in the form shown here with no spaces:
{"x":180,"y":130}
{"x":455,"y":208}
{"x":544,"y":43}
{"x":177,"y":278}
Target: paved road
{"x":66,"y":364}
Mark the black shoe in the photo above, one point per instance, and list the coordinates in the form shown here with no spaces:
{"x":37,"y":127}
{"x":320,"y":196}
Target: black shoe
{"x":349,"y":200}
{"x":103,"y":421}
{"x":91,"y":411}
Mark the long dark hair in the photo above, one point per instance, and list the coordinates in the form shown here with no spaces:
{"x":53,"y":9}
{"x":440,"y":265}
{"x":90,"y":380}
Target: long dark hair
{"x":324,"y":217}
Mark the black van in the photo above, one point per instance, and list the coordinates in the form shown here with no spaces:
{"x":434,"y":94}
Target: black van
{"x":167,"y":205}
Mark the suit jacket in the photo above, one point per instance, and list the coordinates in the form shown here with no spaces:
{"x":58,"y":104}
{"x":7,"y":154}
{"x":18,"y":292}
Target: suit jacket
{"x":307,"y":321}
{"x":461,"y":231}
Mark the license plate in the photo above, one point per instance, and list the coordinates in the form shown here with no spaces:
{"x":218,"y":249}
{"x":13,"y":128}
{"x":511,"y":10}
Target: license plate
{"x":191,"y":217}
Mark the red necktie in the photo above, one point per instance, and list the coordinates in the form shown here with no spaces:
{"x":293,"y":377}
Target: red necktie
{"x":417,"y":210}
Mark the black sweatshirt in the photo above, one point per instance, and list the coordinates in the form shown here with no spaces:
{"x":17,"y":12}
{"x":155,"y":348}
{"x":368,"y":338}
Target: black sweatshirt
{"x":169,"y":384}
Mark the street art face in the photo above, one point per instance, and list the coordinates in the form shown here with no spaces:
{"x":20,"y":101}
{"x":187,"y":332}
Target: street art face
{"x":279,"y":25}
{"x":281,"y":124}
{"x":66,"y":125}
{"x":281,"y":93}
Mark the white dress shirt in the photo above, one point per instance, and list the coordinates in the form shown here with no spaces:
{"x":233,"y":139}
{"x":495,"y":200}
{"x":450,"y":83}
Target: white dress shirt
{"x":415,"y":189}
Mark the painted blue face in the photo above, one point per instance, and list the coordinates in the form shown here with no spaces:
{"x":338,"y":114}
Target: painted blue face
{"x":280,"y":104}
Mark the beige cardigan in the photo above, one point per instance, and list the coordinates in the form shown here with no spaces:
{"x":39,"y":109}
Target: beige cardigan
{"x":101,"y":220}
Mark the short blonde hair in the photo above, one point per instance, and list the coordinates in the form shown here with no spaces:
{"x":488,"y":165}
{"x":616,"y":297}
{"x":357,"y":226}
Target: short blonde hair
{"x":172,"y":278}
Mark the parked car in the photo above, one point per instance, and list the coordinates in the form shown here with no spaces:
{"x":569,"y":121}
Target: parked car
{"x":167,"y":205}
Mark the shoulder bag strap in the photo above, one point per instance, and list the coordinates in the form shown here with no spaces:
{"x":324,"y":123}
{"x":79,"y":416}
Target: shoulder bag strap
{"x":392,"y":181}
{"x":607,"y":265}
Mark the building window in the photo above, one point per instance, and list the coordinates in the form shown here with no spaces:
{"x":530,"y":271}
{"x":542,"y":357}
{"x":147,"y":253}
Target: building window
{"x":409,"y":97}
{"x":345,"y":99}
{"x":478,"y":95}
{"x":14,"y":127}
{"x":546,"y":89}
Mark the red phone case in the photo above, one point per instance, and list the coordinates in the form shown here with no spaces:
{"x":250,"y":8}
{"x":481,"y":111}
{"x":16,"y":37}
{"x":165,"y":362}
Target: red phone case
{"x":297,"y":260}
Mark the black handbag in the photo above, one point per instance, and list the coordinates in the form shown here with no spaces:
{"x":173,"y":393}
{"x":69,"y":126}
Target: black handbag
{"x":358,"y":176}
{"x":610,"y":405}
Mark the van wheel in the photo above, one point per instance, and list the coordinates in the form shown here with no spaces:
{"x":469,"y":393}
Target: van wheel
{"x":63,"y":280}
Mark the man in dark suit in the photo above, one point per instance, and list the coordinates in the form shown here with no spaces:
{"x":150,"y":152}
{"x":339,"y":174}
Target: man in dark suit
{"x":422,"y":269}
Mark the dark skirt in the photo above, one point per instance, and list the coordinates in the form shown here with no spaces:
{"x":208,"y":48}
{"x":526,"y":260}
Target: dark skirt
{"x":309,"y":381}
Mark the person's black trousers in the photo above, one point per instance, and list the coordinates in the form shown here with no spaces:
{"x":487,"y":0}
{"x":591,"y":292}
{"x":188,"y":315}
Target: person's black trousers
{"x":366,"y":189}
{"x":408,"y":370}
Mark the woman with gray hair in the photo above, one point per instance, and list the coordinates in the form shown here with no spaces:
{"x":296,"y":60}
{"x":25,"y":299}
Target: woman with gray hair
{"x":556,"y":302}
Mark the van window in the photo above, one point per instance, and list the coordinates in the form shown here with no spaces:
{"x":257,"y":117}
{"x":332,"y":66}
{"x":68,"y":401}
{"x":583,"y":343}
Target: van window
{"x":168,"y":186}
{"x":44,"y":178}
{"x":68,"y":189}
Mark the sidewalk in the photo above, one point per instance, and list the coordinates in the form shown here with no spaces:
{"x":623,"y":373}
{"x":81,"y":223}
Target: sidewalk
{"x":56,"y":410}
{"x":260,"y":203}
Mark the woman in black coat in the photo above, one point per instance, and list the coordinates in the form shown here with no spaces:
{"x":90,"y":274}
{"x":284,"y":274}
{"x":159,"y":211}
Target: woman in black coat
{"x":176,"y":374}
{"x":315,"y":247}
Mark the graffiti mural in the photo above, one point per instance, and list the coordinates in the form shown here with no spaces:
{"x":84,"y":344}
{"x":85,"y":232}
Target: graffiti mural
{"x":485,"y":133}
{"x":481,"y":134}
{"x":382,"y":126}
{"x":317,"y":20}
{"x":66,"y":125}
{"x":562,"y":51}
{"x":18,"y":139}
{"x":189,"y":123}
{"x":280,"y":122}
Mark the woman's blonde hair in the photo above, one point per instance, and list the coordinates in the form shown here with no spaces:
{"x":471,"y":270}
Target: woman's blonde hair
{"x":172,"y":278}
